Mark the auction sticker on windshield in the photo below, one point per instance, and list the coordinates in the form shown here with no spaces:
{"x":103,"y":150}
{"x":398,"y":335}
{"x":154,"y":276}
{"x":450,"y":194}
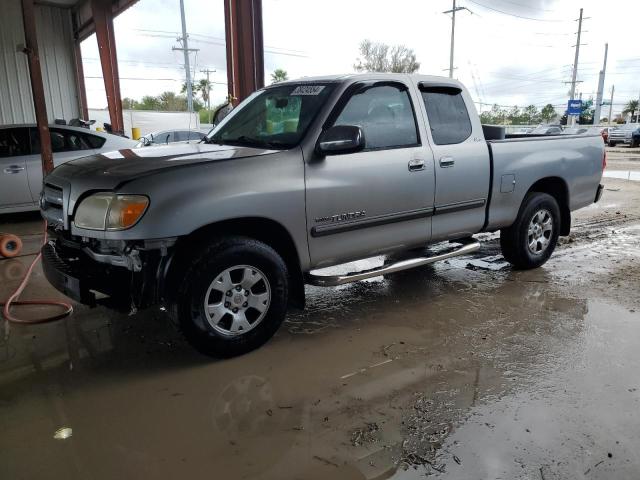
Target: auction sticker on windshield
{"x":307,"y":90}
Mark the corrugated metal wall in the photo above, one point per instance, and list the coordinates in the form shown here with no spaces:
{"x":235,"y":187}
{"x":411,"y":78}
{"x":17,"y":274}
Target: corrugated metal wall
{"x":55,"y":42}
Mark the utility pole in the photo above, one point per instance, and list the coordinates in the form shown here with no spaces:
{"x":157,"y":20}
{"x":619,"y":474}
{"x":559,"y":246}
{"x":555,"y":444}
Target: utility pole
{"x":613,"y":89}
{"x":575,"y":66}
{"x":596,"y":113}
{"x":207,"y":72}
{"x":453,"y":33}
{"x":185,"y":49}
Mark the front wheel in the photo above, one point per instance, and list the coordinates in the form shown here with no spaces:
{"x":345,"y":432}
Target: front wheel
{"x":233,"y":297}
{"x":530,"y":241}
{"x":612,"y":144}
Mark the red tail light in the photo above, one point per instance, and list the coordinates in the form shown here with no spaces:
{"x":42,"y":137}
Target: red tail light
{"x":604,"y":160}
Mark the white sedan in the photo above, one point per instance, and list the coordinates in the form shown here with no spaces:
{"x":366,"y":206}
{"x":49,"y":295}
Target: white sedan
{"x":21,"y":164}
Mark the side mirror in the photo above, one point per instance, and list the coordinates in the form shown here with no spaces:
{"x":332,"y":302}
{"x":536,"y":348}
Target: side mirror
{"x":341,"y":139}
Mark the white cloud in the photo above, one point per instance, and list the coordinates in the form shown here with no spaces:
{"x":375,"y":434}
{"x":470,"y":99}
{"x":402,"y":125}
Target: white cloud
{"x":514,"y":60}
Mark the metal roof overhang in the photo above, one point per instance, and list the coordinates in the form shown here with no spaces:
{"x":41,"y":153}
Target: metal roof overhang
{"x":83,"y":25}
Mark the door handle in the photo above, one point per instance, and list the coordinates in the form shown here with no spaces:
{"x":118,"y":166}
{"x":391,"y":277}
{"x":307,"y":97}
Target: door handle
{"x":13,"y":169}
{"x":446,"y":162}
{"x":416,"y":164}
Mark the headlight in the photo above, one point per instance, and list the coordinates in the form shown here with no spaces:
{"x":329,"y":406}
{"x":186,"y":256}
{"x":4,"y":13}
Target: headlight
{"x":108,"y":211}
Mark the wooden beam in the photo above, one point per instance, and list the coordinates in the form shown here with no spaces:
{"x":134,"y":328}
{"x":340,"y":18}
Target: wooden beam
{"x":37,"y":87}
{"x":245,"y":50}
{"x":105,"y":35}
{"x":82,"y":91}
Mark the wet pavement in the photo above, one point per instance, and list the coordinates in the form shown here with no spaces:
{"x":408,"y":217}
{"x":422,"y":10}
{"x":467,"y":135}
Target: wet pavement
{"x":464,"y":369}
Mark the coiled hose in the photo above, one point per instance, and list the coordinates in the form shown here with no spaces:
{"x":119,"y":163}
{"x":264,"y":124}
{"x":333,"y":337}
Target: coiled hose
{"x":12,"y":300}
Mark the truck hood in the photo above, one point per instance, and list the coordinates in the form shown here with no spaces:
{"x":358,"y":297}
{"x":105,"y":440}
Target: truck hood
{"x":112,"y":169}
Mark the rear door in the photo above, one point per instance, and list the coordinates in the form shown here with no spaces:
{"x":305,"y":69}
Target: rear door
{"x":462,"y":164}
{"x":379,"y":199}
{"x":14,"y":184}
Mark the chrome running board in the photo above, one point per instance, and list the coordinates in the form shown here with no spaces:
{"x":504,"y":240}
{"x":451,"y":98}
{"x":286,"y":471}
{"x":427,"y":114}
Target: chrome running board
{"x":468,"y":246}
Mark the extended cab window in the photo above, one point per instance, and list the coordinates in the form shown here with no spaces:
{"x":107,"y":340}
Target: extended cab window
{"x":447,"y":114}
{"x":275,"y":117}
{"x":385,"y":115}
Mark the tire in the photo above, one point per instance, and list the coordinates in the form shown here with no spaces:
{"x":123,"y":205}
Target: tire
{"x":524,"y":248}
{"x":635,"y":143}
{"x":612,"y":144}
{"x":217,"y":275}
{"x":10,"y":245}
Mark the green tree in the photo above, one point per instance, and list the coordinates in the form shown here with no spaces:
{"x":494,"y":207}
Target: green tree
{"x":279,"y":75}
{"x":548,"y":113}
{"x":514,"y":117}
{"x":586,"y":114}
{"x":149,"y":102}
{"x":380,"y":57}
{"x":129,"y":104}
{"x":204,"y":87}
{"x":531,"y":115}
{"x":631,"y":107}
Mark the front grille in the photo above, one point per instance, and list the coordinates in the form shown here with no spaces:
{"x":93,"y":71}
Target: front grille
{"x":52,"y":205}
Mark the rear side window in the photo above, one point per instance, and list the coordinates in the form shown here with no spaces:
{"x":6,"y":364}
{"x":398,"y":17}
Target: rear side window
{"x":61,"y":141}
{"x":94,"y":141}
{"x":385,"y":115}
{"x":448,"y":116}
{"x":14,"y":142}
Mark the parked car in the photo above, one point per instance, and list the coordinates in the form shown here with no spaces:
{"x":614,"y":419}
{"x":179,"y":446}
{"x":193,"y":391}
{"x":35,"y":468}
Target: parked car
{"x":575,"y":130}
{"x":523,"y":131}
{"x":546,"y":130}
{"x":170,"y":136}
{"x":21,"y":164}
{"x":304,"y":175}
{"x":623,"y":134}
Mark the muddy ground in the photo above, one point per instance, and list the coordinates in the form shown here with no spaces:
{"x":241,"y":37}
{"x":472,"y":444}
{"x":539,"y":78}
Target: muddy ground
{"x":463,"y":370}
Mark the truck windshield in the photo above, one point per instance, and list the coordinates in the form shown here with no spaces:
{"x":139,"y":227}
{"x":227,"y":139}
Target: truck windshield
{"x":276,"y":117}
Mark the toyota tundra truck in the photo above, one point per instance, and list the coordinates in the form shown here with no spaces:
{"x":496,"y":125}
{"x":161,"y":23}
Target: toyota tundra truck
{"x":304,"y":175}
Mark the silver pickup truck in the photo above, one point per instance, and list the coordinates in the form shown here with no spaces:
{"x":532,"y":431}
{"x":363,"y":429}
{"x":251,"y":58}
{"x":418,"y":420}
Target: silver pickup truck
{"x":304,"y":175}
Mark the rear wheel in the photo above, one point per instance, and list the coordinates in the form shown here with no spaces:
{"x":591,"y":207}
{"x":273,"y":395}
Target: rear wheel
{"x":531,"y":240}
{"x":233,"y":297}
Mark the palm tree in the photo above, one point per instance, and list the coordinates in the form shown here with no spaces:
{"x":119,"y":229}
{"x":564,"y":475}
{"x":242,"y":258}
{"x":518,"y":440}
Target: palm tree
{"x":631,"y":107}
{"x":279,"y":75}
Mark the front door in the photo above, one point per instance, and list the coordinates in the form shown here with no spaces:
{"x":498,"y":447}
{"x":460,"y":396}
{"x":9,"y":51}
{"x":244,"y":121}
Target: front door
{"x":14,"y":184}
{"x":462,"y":164}
{"x":379,"y":199}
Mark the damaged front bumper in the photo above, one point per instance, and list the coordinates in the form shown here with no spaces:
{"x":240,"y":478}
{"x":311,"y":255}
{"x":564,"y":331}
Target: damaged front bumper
{"x":123,"y":275}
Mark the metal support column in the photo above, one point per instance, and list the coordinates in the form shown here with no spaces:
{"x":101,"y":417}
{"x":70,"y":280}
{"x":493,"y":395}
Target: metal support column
{"x":103,"y":21}
{"x":37,"y":88}
{"x":245,"y":50}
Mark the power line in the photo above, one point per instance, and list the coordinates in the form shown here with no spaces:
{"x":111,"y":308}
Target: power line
{"x":514,"y":14}
{"x":527,"y":6}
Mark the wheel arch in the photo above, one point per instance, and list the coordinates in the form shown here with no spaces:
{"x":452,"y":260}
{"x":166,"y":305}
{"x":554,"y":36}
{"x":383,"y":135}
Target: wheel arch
{"x":262,"y":229}
{"x":558,"y":189}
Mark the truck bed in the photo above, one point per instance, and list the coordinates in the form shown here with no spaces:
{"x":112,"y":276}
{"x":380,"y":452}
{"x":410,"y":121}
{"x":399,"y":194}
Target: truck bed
{"x":574,"y":161}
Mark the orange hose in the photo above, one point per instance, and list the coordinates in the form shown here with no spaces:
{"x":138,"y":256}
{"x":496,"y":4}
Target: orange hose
{"x":11,"y":301}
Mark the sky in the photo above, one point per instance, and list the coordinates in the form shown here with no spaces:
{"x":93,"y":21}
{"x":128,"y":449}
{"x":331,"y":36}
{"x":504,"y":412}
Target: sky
{"x":507,"y":52}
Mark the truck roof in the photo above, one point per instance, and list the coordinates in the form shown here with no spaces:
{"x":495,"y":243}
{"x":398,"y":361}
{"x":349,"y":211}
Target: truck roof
{"x":339,"y":78}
